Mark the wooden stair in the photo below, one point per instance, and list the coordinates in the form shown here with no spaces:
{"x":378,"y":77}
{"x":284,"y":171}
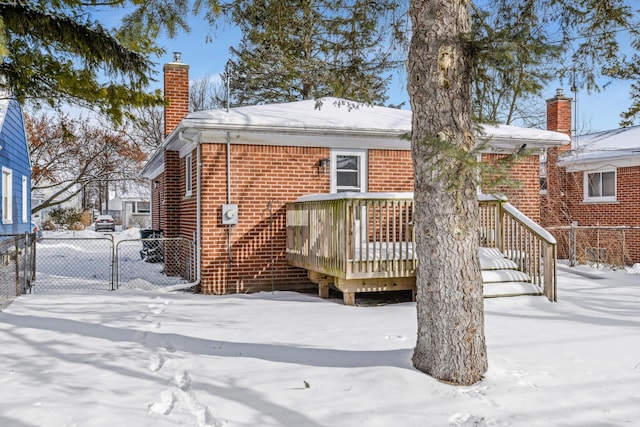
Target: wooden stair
{"x":502,"y":278}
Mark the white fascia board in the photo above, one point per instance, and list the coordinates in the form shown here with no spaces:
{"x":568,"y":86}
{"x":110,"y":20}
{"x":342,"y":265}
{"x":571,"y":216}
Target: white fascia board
{"x":311,"y":138}
{"x":580,"y":163}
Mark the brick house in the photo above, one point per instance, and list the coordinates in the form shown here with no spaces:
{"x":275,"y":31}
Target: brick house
{"x":222,"y":178}
{"x":594,"y":190}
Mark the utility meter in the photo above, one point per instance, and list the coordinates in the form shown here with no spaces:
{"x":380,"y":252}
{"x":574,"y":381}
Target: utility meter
{"x":229,"y":214}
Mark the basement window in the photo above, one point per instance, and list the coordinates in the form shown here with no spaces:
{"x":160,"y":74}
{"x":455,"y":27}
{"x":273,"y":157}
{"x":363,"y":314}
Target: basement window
{"x":600,"y":186}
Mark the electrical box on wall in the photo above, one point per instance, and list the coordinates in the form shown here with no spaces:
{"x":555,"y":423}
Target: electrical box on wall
{"x":229,"y":214}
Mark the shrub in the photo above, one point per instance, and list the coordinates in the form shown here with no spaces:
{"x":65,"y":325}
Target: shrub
{"x":65,"y":217}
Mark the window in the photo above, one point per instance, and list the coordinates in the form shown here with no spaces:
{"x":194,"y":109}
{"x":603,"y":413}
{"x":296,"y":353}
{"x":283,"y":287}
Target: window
{"x":141,"y":207}
{"x":7,"y":195}
{"x":600,"y":186}
{"x":543,"y":172}
{"x":188,"y":175}
{"x":25,"y":192}
{"x":348,"y":171}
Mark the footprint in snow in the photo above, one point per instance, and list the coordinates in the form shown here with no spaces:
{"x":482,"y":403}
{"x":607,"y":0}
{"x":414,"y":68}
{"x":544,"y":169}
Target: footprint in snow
{"x":182,"y":380}
{"x":165,"y":406}
{"x":480,"y":393}
{"x":470,"y":420}
{"x":155,"y":308}
{"x":155,"y":362}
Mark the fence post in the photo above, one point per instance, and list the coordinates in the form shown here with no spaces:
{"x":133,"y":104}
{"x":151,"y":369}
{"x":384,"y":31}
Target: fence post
{"x":573,"y":256}
{"x":114,"y":266}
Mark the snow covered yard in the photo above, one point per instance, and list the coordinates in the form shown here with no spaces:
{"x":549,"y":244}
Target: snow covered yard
{"x":136,"y":358}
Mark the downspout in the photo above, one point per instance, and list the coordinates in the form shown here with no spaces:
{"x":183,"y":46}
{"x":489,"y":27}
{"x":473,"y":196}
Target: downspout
{"x":230,"y":227}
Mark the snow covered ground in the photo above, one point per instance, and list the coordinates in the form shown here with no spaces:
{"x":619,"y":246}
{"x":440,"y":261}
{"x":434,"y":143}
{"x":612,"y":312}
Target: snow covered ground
{"x":135,"y":358}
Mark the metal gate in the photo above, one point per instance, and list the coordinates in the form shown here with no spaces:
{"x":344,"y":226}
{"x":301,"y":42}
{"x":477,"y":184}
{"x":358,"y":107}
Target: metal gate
{"x":107,"y":263}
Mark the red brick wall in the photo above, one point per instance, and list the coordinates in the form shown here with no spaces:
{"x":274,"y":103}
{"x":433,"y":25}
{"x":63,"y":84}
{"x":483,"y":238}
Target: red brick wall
{"x":172,"y":194}
{"x":176,"y":94}
{"x":525,"y":174}
{"x":390,"y":170}
{"x":259,"y":175}
{"x":625,"y":211}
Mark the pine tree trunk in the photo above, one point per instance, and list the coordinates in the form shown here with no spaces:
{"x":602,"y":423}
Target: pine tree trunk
{"x":451,"y":345}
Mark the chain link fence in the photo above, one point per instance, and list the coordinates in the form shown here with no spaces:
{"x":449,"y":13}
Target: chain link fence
{"x":107,"y":263}
{"x":17,"y":266}
{"x":610,"y":246}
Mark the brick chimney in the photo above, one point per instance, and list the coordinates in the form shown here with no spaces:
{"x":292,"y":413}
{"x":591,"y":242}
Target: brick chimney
{"x":554,"y":203}
{"x":176,"y":93}
{"x":559,"y":113}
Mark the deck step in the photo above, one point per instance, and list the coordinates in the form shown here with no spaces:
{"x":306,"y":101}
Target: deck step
{"x":497,"y":276}
{"x":493,"y":259}
{"x":509,"y":289}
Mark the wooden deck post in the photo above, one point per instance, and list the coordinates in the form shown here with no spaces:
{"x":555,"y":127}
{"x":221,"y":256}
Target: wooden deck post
{"x":349,"y":298}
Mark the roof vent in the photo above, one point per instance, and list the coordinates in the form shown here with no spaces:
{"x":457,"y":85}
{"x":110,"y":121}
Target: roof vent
{"x":177,"y":56}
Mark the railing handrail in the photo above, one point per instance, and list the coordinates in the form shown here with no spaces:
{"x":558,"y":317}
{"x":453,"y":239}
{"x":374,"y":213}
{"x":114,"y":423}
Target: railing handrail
{"x":529,"y":224}
{"x":511,"y":228}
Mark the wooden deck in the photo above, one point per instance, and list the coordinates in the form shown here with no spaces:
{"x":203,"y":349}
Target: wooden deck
{"x":363,"y":242}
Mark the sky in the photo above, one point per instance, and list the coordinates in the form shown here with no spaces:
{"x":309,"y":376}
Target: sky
{"x":154,"y":358}
{"x":596,"y":111}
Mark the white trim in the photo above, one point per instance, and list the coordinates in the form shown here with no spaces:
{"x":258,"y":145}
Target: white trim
{"x":585,"y":186}
{"x":362,"y":168}
{"x":7,"y":195}
{"x":24,"y":200}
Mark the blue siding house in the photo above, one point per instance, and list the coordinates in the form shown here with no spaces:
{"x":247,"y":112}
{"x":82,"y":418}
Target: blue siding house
{"x":15,"y":187}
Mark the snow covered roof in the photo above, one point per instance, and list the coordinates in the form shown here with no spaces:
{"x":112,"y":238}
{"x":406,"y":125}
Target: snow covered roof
{"x":610,"y":148}
{"x":325,"y":113}
{"x":334,"y":114}
{"x":327,"y":122}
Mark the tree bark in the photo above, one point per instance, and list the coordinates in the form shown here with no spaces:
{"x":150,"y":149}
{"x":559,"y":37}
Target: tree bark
{"x":451,"y":345}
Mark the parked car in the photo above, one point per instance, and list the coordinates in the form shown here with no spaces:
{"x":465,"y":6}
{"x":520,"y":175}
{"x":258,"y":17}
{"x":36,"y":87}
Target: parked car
{"x":105,"y":222}
{"x":37,"y":230}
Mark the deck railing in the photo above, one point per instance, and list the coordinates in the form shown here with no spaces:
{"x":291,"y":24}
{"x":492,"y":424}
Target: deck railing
{"x":370,"y":235}
{"x":522,"y":240}
{"x":353,"y":235}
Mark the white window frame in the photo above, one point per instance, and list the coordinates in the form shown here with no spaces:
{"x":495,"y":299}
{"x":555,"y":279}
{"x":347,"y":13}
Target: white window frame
{"x":137,"y":210}
{"x":24,"y":200}
{"x":188,"y":175}
{"x":585,"y":180}
{"x":363,"y":171}
{"x":7,"y":196}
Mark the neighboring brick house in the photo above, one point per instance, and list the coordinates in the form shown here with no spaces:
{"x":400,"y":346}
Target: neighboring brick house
{"x":593,"y":190}
{"x":222,"y":178}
